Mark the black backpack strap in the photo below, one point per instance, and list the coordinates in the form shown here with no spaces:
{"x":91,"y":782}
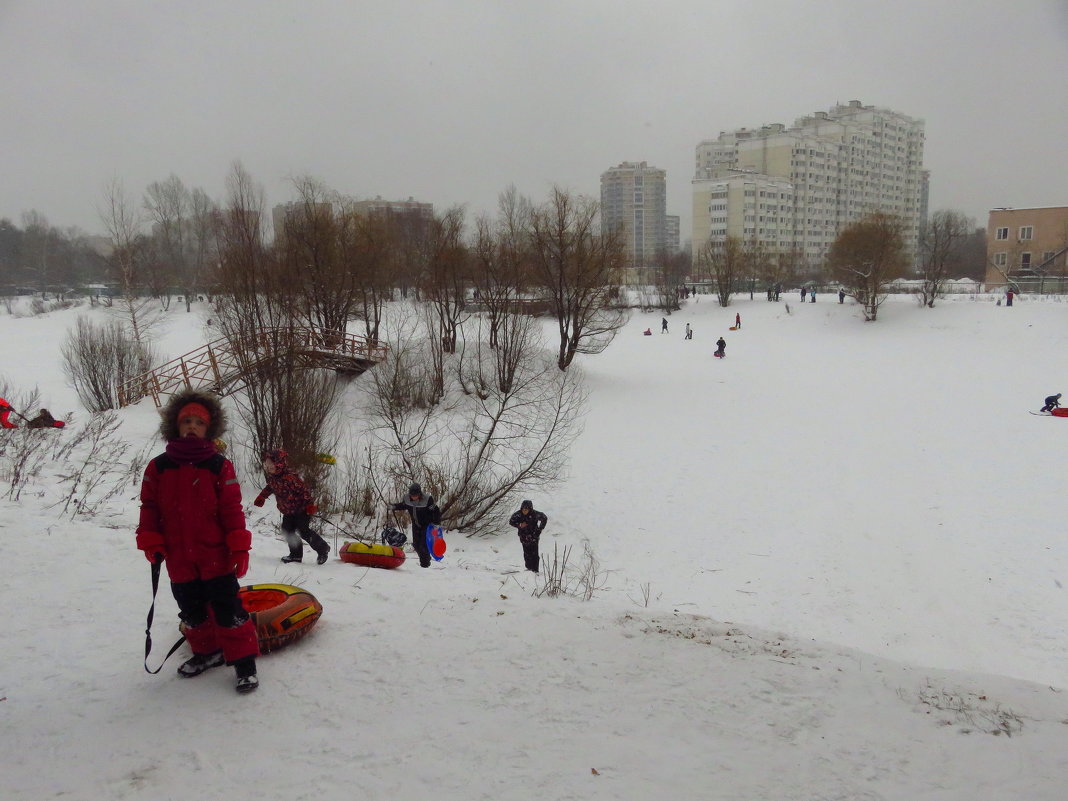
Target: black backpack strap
{"x":148,"y":626}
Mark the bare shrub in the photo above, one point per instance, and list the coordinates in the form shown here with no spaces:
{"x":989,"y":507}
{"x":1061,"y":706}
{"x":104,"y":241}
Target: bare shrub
{"x":94,"y":470}
{"x":98,"y":358}
{"x":23,"y":451}
{"x":560,"y":576}
{"x":971,"y":711}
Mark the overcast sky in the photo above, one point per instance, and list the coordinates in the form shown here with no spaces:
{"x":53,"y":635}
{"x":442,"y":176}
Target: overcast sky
{"x":452,"y":101}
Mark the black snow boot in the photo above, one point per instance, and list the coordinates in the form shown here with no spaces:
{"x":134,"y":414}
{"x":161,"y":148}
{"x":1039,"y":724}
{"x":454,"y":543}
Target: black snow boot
{"x":246,"y":674}
{"x":293,"y":557}
{"x":199,"y":663}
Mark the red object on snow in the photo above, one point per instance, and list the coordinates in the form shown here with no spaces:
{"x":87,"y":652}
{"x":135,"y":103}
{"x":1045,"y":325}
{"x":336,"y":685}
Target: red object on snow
{"x":1060,"y":412}
{"x":359,"y":553}
{"x":281,"y":613}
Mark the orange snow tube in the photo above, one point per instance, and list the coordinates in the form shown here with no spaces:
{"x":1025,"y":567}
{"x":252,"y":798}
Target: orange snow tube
{"x":358,"y":553}
{"x":282,"y":613}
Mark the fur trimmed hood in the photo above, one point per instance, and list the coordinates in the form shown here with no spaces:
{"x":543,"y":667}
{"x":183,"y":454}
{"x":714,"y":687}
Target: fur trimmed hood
{"x":168,"y":427}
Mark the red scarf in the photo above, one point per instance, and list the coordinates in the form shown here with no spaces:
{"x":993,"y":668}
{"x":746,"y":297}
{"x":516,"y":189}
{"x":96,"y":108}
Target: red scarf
{"x":190,"y":450}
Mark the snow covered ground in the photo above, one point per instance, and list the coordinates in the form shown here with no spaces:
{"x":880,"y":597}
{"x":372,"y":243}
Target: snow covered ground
{"x":849,"y":535}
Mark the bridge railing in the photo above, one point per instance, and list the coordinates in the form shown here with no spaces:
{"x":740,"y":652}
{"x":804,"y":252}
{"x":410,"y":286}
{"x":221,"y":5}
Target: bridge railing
{"x":221,"y":361}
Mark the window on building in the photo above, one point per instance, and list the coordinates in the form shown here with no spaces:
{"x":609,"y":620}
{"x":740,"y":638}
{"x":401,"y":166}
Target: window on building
{"x":1025,"y":260}
{"x":1026,"y":232}
{"x":1001,"y":259}
{"x":1001,"y":233}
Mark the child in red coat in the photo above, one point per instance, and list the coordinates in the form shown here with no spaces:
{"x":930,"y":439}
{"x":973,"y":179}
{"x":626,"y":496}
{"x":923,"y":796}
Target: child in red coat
{"x":191,"y":517}
{"x":296,"y":505}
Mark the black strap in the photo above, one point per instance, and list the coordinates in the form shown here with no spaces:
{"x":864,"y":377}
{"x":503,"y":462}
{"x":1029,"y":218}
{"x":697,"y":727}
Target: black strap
{"x":148,"y":626}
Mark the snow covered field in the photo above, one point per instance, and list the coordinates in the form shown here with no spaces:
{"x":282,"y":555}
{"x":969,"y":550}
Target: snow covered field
{"x":849,"y":535}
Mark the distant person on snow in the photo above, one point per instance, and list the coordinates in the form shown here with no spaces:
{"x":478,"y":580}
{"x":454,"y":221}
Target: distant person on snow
{"x":812,"y":292}
{"x":1008,"y":297}
{"x":1052,"y":402}
{"x":804,"y":292}
{"x":296,"y":504}
{"x":530,"y":523}
{"x":721,"y":348}
{"x":424,"y":512}
{"x":841,"y":296}
{"x":191,"y":516}
{"x":738,"y":320}
{"x":663,"y":325}
{"x":648,"y":332}
{"x":44,"y":419}
{"x":689,"y":332}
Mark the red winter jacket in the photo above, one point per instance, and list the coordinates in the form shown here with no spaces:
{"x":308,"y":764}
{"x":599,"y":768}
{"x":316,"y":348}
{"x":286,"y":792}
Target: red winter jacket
{"x":197,"y":509}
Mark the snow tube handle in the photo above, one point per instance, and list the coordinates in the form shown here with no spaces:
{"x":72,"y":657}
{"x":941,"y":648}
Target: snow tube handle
{"x":148,"y":625}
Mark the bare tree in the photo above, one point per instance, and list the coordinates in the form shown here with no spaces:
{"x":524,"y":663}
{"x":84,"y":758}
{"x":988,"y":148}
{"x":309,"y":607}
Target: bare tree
{"x":941,"y":254}
{"x":501,"y":260}
{"x":726,"y":261}
{"x":867,"y":255}
{"x":669,"y":271}
{"x":781,"y":268}
{"x":310,"y":248}
{"x":38,"y":246}
{"x":287,"y":403}
{"x":444,"y":274}
{"x":183,"y":227}
{"x":578,"y":270}
{"x":478,"y":451}
{"x":368,"y":248}
{"x":123,"y":224}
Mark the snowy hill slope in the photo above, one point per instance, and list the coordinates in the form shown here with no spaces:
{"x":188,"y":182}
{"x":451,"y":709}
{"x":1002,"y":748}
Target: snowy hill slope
{"x":845,"y":531}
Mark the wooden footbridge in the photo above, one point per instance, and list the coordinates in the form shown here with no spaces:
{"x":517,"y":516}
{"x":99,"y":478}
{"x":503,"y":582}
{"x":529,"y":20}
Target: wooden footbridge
{"x":226,"y":365}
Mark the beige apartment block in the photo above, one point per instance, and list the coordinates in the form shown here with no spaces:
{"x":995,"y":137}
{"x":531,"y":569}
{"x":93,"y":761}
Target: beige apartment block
{"x":745,"y":205}
{"x":1027,"y":248}
{"x":842,"y":164}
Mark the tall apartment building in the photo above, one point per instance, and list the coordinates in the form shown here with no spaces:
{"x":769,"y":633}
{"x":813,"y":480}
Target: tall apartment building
{"x":840,"y":165}
{"x":672,"y":231}
{"x":410,"y":206}
{"x":634,"y":200}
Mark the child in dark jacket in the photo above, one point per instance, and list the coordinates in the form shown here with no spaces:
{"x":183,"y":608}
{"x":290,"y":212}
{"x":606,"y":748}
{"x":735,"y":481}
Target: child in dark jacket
{"x":424,"y":512}
{"x":530,"y":523}
{"x":191,"y":516}
{"x":296,"y":505}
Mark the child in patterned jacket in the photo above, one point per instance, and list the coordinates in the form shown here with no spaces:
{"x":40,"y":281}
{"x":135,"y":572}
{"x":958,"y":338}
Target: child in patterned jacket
{"x":296,"y":505}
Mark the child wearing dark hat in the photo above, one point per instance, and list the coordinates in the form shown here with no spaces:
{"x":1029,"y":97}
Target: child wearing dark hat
{"x":424,"y":512}
{"x":296,"y":505}
{"x":530,"y":523}
{"x":192,"y":518}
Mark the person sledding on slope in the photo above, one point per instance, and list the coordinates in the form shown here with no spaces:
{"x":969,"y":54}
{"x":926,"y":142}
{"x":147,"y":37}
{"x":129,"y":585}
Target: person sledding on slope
{"x":721,"y":348}
{"x":530,"y":523}
{"x":424,"y":512}
{"x":1052,"y":402}
{"x":296,"y":505}
{"x":44,"y":419}
{"x":5,"y":413}
{"x":191,"y":517}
